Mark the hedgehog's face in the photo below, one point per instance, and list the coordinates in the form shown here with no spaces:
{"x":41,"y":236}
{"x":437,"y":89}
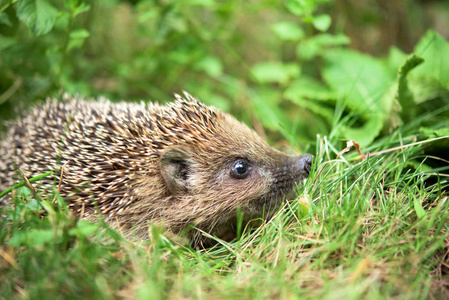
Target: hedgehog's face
{"x":212,"y":165}
{"x":253,"y":182}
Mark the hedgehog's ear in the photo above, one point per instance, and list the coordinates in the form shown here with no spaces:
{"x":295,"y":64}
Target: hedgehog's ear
{"x":175,"y":170}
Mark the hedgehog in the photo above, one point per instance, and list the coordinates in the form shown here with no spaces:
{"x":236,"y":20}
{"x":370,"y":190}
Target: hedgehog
{"x":185,"y":166}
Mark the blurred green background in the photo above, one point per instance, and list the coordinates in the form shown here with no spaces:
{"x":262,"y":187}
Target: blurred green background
{"x":290,"y":69}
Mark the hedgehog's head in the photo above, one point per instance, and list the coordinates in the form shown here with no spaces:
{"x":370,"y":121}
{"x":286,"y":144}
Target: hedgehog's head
{"x":213,"y":164}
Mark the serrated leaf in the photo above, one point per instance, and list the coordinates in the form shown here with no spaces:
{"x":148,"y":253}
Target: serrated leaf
{"x":433,"y":48}
{"x":366,"y":87}
{"x":361,"y":79}
{"x":405,"y":96}
{"x":38,"y":15}
{"x":432,"y":77}
{"x":410,"y":64}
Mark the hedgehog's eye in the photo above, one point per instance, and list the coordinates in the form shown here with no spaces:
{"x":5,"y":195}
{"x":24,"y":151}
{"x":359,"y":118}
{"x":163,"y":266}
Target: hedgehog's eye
{"x":240,"y":169}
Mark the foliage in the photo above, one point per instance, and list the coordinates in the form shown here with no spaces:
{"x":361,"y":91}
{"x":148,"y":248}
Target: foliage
{"x":149,"y":49}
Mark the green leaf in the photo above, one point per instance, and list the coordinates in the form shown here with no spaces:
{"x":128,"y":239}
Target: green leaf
{"x":405,"y":96}
{"x":34,"y":205}
{"x":307,"y":50}
{"x":267,"y":110}
{"x":147,"y":15}
{"x":299,"y":7}
{"x":6,"y":42}
{"x":274,"y":72}
{"x":309,"y":88}
{"x":303,"y":210}
{"x":361,"y":79}
{"x":432,"y":77}
{"x":210,"y":65}
{"x":206,"y":3}
{"x":35,"y":237}
{"x":79,"y":9}
{"x":364,"y":135}
{"x":326,"y":39}
{"x":315,"y":45}
{"x":38,"y":15}
{"x":84,"y":228}
{"x":288,"y":31}
{"x":322,"y":22}
{"x":25,"y":192}
{"x":304,"y":90}
{"x":79,"y":34}
{"x":420,"y":212}
{"x":432,"y":132}
{"x":4,"y":19}
{"x":77,"y":38}
{"x":395,"y":59}
{"x":367,"y":88}
{"x":410,"y":64}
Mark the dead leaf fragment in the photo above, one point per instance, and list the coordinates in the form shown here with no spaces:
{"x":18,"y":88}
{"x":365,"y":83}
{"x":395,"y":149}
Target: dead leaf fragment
{"x":349,"y":145}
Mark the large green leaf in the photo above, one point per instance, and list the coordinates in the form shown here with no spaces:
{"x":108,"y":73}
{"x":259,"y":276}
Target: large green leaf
{"x":38,"y":15}
{"x":365,"y":84}
{"x":361,"y":79}
{"x":432,"y":77}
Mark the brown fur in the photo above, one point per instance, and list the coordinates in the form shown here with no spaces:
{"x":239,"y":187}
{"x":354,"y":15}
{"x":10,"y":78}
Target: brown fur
{"x":169,"y":165}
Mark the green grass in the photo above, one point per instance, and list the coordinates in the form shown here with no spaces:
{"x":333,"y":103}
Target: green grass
{"x":372,"y":229}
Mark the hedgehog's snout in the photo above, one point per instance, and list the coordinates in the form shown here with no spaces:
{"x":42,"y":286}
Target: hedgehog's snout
{"x":303,"y":164}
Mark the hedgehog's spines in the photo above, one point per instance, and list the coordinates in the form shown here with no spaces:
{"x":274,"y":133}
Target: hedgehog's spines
{"x":108,"y":156}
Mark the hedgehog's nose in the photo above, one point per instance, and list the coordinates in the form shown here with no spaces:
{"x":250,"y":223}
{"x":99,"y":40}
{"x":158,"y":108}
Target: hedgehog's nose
{"x":304,"y":163}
